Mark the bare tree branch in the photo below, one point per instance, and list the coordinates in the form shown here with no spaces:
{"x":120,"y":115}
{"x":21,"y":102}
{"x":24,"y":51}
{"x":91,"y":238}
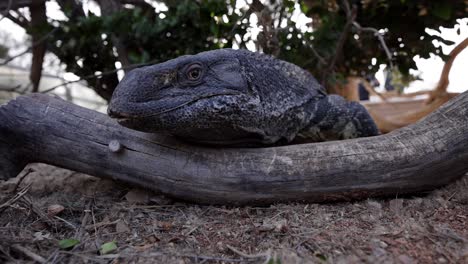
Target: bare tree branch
{"x":350,"y":17}
{"x":38,"y":42}
{"x":17,"y":3}
{"x":20,"y":20}
{"x":319,"y":57}
{"x":75,"y":7}
{"x":381,"y":39}
{"x":38,"y":18}
{"x":443,"y":83}
{"x":236,"y":25}
{"x":10,"y":89}
{"x":91,"y":76}
{"x":7,"y":10}
{"x":140,"y":3}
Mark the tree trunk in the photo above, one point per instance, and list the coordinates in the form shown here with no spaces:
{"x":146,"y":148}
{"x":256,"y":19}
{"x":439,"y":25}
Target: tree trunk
{"x":39,"y":46}
{"x":420,"y":157}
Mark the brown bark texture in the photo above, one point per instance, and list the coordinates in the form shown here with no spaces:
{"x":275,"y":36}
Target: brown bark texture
{"x":38,"y":19}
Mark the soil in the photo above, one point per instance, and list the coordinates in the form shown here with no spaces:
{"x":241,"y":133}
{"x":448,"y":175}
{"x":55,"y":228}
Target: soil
{"x":45,"y":207}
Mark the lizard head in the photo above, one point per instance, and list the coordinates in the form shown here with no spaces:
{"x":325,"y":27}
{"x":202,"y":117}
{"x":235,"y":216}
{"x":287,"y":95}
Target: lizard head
{"x":197,"y":97}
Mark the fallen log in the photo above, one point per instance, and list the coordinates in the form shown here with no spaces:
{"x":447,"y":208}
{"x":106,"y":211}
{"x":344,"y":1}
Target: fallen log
{"x":420,"y":157}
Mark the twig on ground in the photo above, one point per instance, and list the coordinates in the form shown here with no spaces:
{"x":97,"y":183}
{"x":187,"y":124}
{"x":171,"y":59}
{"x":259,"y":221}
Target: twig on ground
{"x":28,"y":171}
{"x":66,"y":222}
{"x":84,"y":221}
{"x":245,"y":255}
{"x":15,"y":198}
{"x":7,"y":255}
{"x":37,"y":211}
{"x":29,"y":253}
{"x":96,"y":234}
{"x":82,"y":256}
{"x":158,"y":254}
{"x":101,"y":224}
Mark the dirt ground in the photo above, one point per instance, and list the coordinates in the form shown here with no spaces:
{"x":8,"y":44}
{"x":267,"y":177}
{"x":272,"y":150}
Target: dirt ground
{"x":45,"y":207}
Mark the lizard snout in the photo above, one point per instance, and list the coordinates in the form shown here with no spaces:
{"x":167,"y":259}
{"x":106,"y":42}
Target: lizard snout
{"x":114,"y":114}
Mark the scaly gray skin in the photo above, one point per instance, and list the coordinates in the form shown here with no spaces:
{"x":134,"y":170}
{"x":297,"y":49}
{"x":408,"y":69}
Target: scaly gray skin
{"x":235,"y":97}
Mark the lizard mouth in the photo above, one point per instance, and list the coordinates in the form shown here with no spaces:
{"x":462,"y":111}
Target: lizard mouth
{"x":123,"y":117}
{"x":119,"y":115}
{"x":128,"y":118}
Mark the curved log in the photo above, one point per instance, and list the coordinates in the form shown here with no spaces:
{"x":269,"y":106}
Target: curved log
{"x":420,"y":157}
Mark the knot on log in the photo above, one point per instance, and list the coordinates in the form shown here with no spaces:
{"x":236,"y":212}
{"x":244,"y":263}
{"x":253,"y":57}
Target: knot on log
{"x":115,"y":146}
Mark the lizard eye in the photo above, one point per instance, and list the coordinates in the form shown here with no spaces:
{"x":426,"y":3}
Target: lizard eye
{"x":194,"y":72}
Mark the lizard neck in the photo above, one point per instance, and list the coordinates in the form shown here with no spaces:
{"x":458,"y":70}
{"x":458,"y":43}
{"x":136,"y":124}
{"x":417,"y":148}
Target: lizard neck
{"x":334,"y":118}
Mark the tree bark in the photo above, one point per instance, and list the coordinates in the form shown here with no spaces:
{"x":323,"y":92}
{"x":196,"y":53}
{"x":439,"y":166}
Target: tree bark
{"x":38,"y":19}
{"x":420,"y":157}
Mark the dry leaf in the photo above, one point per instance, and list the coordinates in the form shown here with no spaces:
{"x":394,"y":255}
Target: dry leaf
{"x":54,"y":209}
{"x":165,"y":225}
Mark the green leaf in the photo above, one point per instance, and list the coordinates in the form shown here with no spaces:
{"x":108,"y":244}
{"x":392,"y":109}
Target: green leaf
{"x":68,"y":243}
{"x":108,"y":247}
{"x":274,"y":261}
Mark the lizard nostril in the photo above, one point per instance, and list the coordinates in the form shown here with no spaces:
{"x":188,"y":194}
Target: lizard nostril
{"x":115,"y":114}
{"x":110,"y":113}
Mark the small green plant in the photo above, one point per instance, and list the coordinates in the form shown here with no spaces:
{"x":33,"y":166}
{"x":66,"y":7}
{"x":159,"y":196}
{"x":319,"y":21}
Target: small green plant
{"x":68,"y":243}
{"x":108,"y":247}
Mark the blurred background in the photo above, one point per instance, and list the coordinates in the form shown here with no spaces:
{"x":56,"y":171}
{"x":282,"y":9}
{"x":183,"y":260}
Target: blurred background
{"x":80,"y":50}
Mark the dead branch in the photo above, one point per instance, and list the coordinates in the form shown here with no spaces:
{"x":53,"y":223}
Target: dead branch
{"x":29,"y":49}
{"x":7,"y":10}
{"x":38,"y":18}
{"x":75,"y":7}
{"x":29,"y":253}
{"x":380,"y":38}
{"x":350,"y":17}
{"x":5,"y":4}
{"x":420,"y":157}
{"x":443,"y":83}
{"x":437,"y":98}
{"x":91,"y":76}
